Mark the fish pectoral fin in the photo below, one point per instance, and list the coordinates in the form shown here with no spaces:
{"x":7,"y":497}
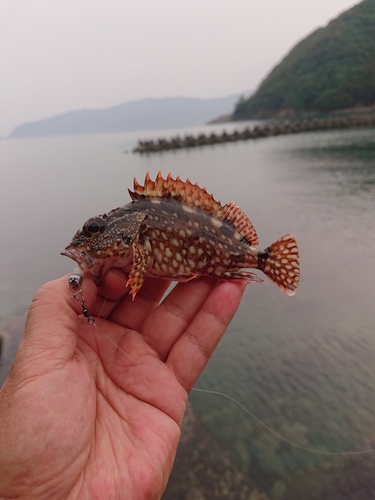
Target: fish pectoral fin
{"x":246,"y":276}
{"x":138,"y":272}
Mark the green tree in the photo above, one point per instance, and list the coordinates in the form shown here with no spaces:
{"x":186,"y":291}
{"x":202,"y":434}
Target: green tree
{"x":331,"y":69}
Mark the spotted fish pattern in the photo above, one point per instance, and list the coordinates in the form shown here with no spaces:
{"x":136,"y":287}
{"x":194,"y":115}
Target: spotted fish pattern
{"x":176,"y":230}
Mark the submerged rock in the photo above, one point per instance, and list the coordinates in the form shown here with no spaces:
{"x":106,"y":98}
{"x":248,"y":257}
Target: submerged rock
{"x":204,"y":471}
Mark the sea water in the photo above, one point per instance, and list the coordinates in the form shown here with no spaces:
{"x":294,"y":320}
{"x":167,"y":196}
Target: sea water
{"x":303,"y":365}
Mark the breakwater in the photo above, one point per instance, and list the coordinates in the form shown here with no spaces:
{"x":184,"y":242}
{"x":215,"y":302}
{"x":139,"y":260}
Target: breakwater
{"x":260,"y":131}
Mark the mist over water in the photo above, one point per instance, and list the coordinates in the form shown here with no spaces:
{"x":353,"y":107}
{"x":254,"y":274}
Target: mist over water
{"x":304,"y":365}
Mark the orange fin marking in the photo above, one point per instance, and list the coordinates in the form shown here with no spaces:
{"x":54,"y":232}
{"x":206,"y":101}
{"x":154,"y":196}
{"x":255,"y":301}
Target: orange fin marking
{"x":197,"y":197}
{"x":184,"y":192}
{"x":281,"y":264}
{"x":138,"y":272}
{"x":233,"y":214}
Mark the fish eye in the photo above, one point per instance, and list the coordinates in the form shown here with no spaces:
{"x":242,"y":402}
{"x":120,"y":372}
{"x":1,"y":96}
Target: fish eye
{"x":93,"y":227}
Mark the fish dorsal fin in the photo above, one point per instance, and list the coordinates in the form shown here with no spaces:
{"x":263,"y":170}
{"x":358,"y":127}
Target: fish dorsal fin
{"x":192,"y":195}
{"x":182,"y":191}
{"x":233,"y":214}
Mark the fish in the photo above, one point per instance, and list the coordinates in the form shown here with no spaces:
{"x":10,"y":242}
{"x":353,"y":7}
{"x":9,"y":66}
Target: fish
{"x":176,"y":230}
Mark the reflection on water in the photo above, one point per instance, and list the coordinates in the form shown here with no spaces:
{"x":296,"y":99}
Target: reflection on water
{"x":350,"y":165}
{"x":304,"y":365}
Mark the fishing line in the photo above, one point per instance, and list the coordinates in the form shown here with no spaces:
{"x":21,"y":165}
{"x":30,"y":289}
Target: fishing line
{"x":114,"y":343}
{"x":243,"y":408}
{"x":279,"y":436}
{"x":75,"y":281}
{"x":78,"y":295}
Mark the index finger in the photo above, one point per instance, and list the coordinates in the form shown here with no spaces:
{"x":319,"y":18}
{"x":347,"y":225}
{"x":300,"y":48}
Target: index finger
{"x":114,"y":302}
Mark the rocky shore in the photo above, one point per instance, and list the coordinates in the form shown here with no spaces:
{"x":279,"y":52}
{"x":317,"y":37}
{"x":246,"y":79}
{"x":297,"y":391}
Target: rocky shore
{"x":331,"y":122}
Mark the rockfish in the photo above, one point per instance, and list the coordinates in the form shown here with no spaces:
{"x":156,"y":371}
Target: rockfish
{"x":176,"y":230}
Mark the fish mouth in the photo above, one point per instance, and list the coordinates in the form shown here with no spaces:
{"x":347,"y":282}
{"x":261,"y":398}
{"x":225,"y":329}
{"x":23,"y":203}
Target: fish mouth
{"x":79,"y":256}
{"x":69,"y":253}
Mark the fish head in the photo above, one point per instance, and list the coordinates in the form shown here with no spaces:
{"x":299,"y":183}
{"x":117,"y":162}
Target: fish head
{"x":105,"y":241}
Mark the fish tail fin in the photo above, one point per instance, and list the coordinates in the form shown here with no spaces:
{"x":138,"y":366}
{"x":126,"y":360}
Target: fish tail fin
{"x":280,"y":263}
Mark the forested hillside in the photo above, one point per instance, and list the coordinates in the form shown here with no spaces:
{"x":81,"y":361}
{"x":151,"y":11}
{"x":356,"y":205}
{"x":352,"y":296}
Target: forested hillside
{"x":331,"y":69}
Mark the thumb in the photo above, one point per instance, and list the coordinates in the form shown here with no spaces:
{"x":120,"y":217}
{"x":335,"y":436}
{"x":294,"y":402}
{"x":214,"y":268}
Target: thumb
{"x":54,"y":320}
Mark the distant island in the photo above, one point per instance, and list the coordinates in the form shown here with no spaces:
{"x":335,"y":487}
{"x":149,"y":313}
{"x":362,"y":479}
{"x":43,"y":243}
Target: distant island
{"x":330,"y":70}
{"x":145,"y":114}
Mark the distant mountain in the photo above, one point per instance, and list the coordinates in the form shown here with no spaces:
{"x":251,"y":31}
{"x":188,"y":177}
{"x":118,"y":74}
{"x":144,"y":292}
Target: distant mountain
{"x":332,"y":69}
{"x":146,"y":114}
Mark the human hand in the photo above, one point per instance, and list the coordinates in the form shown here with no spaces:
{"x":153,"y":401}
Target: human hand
{"x":84,"y":418}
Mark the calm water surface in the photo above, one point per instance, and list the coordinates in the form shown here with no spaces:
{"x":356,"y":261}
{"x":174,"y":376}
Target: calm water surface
{"x":304,"y":365}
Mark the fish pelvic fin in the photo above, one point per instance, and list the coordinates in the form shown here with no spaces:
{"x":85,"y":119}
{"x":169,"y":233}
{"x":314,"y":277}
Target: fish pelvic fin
{"x":280,"y":263}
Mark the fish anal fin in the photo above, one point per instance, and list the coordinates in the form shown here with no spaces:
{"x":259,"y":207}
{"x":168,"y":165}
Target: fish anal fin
{"x":280,"y":263}
{"x":246,"y":276}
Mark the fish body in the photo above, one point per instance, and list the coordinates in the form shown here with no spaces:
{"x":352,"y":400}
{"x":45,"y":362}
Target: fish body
{"x":176,"y":230}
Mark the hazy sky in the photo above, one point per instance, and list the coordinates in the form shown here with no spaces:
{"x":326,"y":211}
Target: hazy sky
{"x":59,"y":55}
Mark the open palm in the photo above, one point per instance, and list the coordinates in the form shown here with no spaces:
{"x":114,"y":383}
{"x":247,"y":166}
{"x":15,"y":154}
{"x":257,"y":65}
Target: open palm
{"x":94,"y":411}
